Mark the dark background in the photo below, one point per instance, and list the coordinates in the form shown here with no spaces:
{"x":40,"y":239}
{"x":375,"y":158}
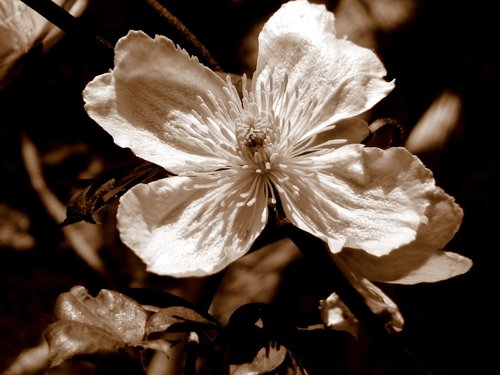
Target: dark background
{"x":439,"y":45}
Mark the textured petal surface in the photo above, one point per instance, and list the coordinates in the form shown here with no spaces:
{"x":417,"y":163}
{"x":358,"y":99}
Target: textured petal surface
{"x":146,"y":103}
{"x":300,"y":40}
{"x":359,"y":197}
{"x":179,"y":228}
{"x":422,"y":260}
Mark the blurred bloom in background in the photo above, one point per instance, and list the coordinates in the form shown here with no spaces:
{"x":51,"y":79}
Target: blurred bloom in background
{"x":436,"y":126}
{"x":22,"y":29}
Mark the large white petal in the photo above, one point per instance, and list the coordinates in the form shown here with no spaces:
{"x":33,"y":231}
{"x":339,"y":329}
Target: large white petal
{"x":179,"y":228}
{"x":146,"y":104}
{"x":359,"y":197}
{"x":300,"y":40}
{"x":422,"y":260}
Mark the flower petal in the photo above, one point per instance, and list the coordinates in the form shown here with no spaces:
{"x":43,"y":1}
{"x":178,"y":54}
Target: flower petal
{"x":147,"y":103}
{"x":178,"y":227}
{"x":352,"y":130}
{"x":300,"y":40}
{"x":363,"y":197}
{"x":422,"y":260}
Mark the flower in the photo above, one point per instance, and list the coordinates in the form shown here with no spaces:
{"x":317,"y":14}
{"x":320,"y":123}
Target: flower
{"x":292,"y":135}
{"x":22,"y":28}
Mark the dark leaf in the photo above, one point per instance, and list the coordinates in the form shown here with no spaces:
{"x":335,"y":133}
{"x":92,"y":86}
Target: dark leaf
{"x":110,"y":311}
{"x":256,"y":339}
{"x":105,"y":190}
{"x":163,"y":299}
{"x":178,"y":318}
{"x":265,"y":361}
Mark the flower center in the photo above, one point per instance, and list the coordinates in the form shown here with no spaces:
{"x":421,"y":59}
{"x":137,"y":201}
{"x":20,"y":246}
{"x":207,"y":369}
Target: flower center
{"x":252,"y":131}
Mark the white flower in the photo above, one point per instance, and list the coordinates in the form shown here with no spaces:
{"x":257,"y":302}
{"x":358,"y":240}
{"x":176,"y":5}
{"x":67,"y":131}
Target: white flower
{"x":22,"y":28}
{"x":292,"y":134}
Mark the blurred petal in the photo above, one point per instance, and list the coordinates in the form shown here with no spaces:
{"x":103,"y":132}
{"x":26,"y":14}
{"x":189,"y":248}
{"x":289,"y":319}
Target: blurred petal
{"x":21,"y":28}
{"x":435,"y":127}
{"x":422,"y":260}
{"x":363,"y":197}
{"x":300,"y":40}
{"x":18,"y":31}
{"x":53,"y":33}
{"x":178,"y":227}
{"x":147,"y":103}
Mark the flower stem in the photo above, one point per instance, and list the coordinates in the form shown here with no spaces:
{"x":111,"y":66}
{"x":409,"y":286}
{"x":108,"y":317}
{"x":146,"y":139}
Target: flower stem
{"x":191,"y":354}
{"x":317,"y":251}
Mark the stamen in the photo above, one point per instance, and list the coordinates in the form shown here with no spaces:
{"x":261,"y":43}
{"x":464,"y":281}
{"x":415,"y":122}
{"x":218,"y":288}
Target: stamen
{"x":251,"y":202}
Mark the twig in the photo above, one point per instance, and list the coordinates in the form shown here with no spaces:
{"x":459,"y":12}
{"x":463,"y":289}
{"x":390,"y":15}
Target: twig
{"x":188,"y":35}
{"x":64,"y":20}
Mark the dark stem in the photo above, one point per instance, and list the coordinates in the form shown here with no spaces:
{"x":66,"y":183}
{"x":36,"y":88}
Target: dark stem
{"x":188,"y":35}
{"x":64,"y":20}
{"x":317,"y":252}
{"x":191,"y":354}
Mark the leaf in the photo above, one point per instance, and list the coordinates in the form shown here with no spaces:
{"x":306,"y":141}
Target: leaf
{"x":112,"y":321}
{"x":70,"y":339}
{"x":105,"y":190}
{"x":110,"y":311}
{"x":265,"y":361}
{"x":178,"y":318}
{"x":154,"y":297}
{"x":256,"y":337}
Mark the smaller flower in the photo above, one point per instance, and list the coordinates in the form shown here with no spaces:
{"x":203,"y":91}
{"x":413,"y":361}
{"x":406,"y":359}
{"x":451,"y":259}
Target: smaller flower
{"x":22,"y":28}
{"x":336,"y":315}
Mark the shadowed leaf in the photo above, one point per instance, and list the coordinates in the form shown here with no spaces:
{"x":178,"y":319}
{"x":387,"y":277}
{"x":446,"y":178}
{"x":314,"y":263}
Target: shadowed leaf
{"x":178,"y":318}
{"x":265,"y":361}
{"x":105,"y":190}
{"x":256,"y":335}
